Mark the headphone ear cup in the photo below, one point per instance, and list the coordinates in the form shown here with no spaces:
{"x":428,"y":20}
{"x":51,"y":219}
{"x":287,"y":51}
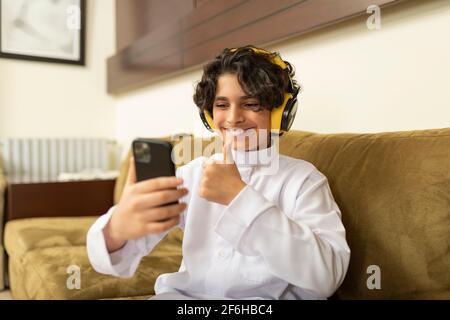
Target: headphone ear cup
{"x":207,"y":120}
{"x":289,"y":113}
{"x":283,"y":116}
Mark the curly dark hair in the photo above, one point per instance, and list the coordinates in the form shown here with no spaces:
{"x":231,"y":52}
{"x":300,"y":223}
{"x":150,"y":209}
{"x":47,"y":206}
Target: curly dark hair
{"x":256,"y":72}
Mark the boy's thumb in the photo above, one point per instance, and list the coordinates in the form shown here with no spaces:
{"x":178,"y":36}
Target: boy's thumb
{"x":227,"y":154}
{"x":131,"y":177}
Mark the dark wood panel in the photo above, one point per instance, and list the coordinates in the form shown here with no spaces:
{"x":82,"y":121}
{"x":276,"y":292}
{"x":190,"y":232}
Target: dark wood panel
{"x":59,"y":199}
{"x":201,"y":34}
{"x":199,"y":3}
{"x":136,"y":18}
{"x":248,"y":12}
{"x":156,"y":46}
{"x":130,"y":23}
{"x":209,"y":10}
{"x":282,"y":24}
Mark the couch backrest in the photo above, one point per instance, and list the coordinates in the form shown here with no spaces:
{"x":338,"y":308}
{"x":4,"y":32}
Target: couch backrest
{"x":394,"y":193}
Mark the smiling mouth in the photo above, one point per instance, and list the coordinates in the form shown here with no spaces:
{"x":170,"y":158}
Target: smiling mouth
{"x":234,"y":132}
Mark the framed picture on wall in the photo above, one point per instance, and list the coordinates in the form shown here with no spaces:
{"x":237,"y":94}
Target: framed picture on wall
{"x":43,"y":30}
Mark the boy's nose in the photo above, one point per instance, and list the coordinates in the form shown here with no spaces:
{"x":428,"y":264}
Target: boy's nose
{"x":234,"y":116}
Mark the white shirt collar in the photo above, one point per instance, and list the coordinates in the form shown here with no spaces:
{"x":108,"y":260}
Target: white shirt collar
{"x":261,"y":157}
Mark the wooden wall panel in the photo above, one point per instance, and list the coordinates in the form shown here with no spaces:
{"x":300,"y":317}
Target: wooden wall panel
{"x":136,"y":18}
{"x":211,"y":25}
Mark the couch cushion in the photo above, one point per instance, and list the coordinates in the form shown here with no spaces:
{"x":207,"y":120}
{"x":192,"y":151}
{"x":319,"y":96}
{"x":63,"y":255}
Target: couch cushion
{"x":41,"y":250}
{"x":393,"y":191}
{"x":45,"y":274}
{"x":24,"y":235}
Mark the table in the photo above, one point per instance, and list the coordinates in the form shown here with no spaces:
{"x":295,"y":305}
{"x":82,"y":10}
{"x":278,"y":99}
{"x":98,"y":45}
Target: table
{"x":58,"y":199}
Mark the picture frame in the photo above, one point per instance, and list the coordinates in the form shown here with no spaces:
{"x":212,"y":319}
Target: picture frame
{"x":44,"y":30}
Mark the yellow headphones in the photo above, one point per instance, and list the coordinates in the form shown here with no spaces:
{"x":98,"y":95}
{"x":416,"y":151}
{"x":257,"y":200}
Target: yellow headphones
{"x":281,"y":117}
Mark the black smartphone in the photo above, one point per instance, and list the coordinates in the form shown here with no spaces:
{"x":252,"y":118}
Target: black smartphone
{"x":152,"y":159}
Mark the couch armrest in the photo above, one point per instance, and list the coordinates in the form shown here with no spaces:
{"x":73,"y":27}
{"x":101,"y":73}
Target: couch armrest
{"x":2,"y":203}
{"x":2,"y":212}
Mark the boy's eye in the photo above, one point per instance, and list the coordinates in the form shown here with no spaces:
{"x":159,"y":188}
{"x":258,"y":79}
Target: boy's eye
{"x":252,"y":106}
{"x":221,"y":106}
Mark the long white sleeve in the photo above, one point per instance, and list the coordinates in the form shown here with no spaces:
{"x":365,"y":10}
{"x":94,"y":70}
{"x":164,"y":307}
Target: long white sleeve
{"x":123,"y":262}
{"x":306,"y":247}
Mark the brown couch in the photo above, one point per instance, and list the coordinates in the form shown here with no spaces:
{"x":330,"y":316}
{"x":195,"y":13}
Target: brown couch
{"x":2,"y":205}
{"x":393,"y":191}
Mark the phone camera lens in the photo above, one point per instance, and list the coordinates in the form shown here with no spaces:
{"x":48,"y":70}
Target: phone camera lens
{"x":142,"y":152}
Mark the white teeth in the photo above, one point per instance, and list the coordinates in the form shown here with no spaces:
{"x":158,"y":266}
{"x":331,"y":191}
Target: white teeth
{"x":234,"y":132}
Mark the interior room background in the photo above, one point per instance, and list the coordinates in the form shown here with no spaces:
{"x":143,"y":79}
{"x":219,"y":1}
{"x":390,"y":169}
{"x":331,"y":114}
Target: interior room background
{"x":354,"y":80}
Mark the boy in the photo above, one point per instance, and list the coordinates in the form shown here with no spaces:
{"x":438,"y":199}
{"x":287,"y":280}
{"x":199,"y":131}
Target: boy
{"x":247,"y":234}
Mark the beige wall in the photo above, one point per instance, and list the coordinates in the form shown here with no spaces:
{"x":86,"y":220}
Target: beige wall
{"x":396,"y":78}
{"x":354,"y":80}
{"x":54,"y":100}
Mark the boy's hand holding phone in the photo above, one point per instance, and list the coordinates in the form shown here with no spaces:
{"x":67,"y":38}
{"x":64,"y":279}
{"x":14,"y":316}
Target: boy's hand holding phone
{"x":143,"y":209}
{"x":221,"y":181}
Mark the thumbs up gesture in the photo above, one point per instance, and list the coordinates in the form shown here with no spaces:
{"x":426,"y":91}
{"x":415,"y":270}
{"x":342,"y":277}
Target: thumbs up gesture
{"x":221,"y":181}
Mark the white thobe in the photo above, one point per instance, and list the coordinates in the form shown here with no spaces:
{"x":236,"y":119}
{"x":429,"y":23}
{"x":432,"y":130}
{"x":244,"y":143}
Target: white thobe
{"x":280,"y":238}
